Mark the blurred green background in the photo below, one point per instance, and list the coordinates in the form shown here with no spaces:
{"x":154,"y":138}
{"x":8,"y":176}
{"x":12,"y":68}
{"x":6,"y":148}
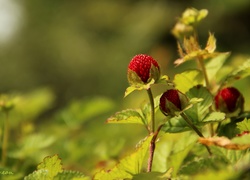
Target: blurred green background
{"x":82,"y":48}
{"x":68,"y":61}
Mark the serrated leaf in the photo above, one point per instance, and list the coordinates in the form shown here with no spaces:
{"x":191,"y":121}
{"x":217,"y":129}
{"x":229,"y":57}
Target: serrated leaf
{"x":51,"y":164}
{"x":127,"y":116}
{"x":129,"y":165}
{"x":41,"y":174}
{"x":215,"y":64}
{"x":187,"y":79}
{"x":71,"y":175}
{"x":214,"y":117}
{"x":240,"y":73}
{"x":244,"y":125}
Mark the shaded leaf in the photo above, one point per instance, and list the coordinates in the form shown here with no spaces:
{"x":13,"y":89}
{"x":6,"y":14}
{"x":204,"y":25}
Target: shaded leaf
{"x":188,"y":79}
{"x":180,"y":151}
{"x":175,"y":125}
{"x":214,"y":117}
{"x":127,"y":116}
{"x":200,"y":165}
{"x":128,"y":166}
{"x":198,"y":111}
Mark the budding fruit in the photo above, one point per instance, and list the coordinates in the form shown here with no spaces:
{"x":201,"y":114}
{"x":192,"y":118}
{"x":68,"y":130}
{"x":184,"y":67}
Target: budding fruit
{"x":142,"y":69}
{"x":230,"y":101}
{"x":173,"y":101}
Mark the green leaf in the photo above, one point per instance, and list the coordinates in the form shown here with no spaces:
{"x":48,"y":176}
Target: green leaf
{"x":154,"y":175}
{"x":39,"y":174}
{"x":244,"y":125}
{"x":175,"y":125}
{"x":214,"y":117}
{"x":51,"y":164}
{"x":201,"y":165}
{"x":129,"y":165}
{"x":71,"y":175}
{"x":240,"y":73}
{"x":215,"y":64}
{"x":47,"y":169}
{"x":199,"y":110}
{"x":181,"y":150}
{"x":188,"y":79}
{"x":127,"y":116}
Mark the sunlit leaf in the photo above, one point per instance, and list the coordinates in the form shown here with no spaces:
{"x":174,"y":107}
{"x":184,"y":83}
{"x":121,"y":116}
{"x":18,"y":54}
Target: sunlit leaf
{"x":214,"y":117}
{"x":71,"y":175}
{"x":215,"y":64}
{"x":187,"y":79}
{"x":127,"y":116}
{"x":128,"y":166}
{"x":244,"y":125}
{"x":239,"y":73}
{"x":51,"y":164}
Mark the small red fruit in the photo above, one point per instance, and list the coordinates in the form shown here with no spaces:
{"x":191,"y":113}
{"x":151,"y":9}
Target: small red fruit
{"x":230,"y":101}
{"x":145,"y":68}
{"x":173,"y":101}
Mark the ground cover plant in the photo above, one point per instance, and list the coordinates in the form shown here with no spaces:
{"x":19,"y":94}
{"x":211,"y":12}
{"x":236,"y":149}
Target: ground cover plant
{"x":196,"y":128}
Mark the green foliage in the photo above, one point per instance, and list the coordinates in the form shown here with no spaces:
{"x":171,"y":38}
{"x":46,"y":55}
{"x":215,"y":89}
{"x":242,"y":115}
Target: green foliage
{"x":128,"y":166}
{"x":244,"y":125}
{"x":51,"y":169}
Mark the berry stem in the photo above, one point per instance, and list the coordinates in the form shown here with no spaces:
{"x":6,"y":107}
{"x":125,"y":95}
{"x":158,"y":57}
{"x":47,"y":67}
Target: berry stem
{"x":152,"y":149}
{"x":189,"y":122}
{"x":151,"y":99}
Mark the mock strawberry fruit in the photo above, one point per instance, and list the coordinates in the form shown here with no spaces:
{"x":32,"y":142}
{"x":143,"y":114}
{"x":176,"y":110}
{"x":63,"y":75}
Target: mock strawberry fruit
{"x":142,"y":69}
{"x":230,"y":101}
{"x":173,"y":101}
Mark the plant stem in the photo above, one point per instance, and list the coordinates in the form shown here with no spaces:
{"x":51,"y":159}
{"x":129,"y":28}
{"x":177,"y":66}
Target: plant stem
{"x":151,"y":99}
{"x":152,"y":149}
{"x":183,"y":115}
{"x":5,"y":139}
{"x":204,"y":71}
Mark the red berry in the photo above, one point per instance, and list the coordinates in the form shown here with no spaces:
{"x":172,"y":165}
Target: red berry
{"x":172,"y":101}
{"x":229,"y":100}
{"x":145,"y":67}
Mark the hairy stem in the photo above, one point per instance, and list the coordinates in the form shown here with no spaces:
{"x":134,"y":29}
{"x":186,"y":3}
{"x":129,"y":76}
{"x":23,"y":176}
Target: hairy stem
{"x":151,"y":99}
{"x":189,"y":122}
{"x":152,"y":149}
